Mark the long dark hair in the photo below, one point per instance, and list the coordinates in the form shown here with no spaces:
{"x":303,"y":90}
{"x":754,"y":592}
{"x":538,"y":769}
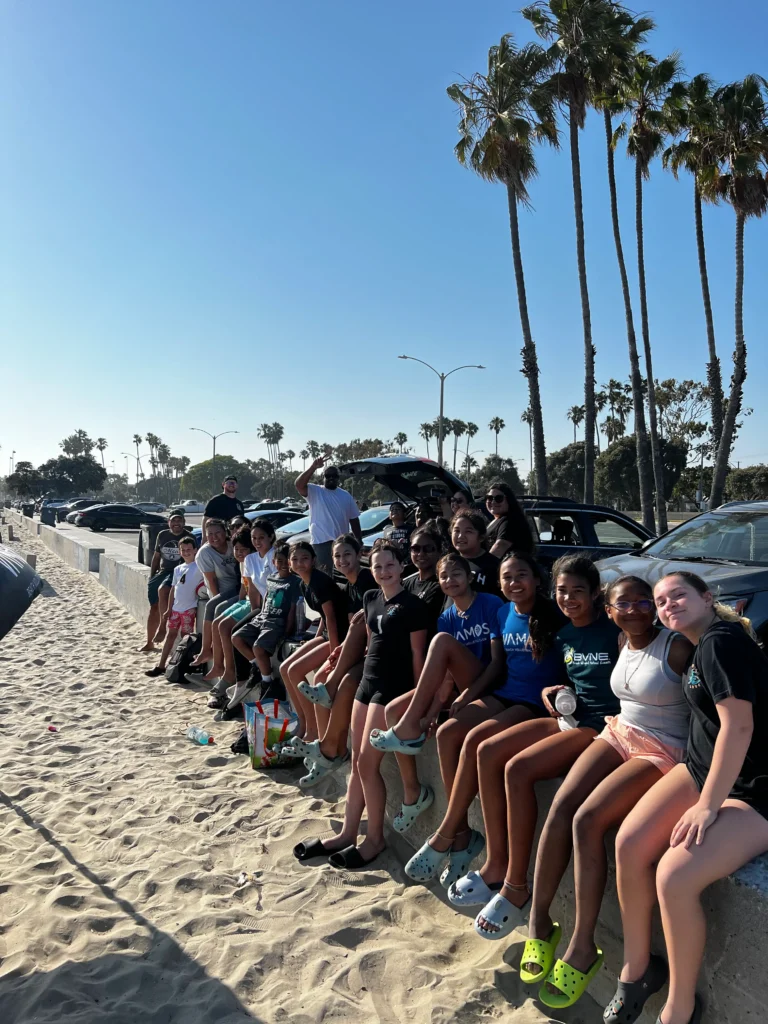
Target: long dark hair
{"x":516,"y":518}
{"x":545,"y":619}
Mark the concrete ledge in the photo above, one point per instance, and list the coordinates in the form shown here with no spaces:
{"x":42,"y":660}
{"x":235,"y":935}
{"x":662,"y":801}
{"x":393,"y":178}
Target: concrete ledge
{"x":127,"y":582}
{"x":732,"y":981}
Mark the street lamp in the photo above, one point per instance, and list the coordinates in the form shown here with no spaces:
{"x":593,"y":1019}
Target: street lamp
{"x":442,"y":376}
{"x":137,"y":458}
{"x":468,"y":458}
{"x":213,"y":438}
{"x":12,"y":454}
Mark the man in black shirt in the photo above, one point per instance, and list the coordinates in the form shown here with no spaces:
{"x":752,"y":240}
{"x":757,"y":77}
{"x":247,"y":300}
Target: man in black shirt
{"x":225,"y":505}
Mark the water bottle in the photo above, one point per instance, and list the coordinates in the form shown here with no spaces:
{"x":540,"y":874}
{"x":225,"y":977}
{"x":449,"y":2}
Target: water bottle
{"x":199,"y":735}
{"x":565,"y":704}
{"x":301,"y":618}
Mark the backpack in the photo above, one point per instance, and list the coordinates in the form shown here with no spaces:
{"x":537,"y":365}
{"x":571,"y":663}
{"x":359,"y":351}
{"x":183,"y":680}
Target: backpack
{"x":185,"y":652}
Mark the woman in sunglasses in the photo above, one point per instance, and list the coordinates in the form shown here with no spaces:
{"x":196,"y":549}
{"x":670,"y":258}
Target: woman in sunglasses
{"x":452,"y":503}
{"x":509,"y":528}
{"x":636,"y":748}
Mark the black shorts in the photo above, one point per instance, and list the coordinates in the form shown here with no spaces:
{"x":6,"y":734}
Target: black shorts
{"x":537,"y":709}
{"x":377,"y":691}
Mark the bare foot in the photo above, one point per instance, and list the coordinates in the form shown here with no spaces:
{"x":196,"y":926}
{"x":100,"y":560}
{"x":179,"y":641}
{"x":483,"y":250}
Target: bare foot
{"x":148,"y":646}
{"x":158,"y":637}
{"x":202,"y":659}
{"x":214,"y":673}
{"x":368,"y":849}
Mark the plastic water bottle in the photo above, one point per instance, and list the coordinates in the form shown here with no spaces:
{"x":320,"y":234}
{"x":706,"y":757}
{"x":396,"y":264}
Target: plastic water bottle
{"x":565,"y":701}
{"x":199,"y":735}
{"x":301,"y":618}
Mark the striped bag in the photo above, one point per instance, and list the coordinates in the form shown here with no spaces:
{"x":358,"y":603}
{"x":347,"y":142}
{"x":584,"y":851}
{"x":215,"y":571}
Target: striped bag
{"x":266,"y":726}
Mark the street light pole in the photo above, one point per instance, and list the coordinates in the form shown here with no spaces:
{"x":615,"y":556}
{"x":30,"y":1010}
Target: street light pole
{"x":213,"y":438}
{"x":442,"y":376}
{"x":477,"y":451}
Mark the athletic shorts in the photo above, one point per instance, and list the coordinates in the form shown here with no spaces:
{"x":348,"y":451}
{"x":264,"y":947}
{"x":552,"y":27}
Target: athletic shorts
{"x":377,"y":691}
{"x":631,"y":742}
{"x":164,"y":578}
{"x":267,"y":635}
{"x":184,"y":622}
{"x":237,"y":611}
{"x":509,"y":702}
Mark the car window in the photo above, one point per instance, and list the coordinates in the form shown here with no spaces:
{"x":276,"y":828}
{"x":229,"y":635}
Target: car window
{"x":737,"y":536}
{"x":556,"y":528}
{"x":373,"y":517}
{"x":297,"y":526}
{"x":612,"y":533}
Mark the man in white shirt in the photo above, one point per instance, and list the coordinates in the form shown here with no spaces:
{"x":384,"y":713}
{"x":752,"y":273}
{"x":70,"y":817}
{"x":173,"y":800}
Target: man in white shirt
{"x":332,"y":511}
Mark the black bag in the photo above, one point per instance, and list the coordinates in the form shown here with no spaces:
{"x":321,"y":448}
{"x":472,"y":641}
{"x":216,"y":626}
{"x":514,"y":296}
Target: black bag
{"x":185,"y":652}
{"x":19,"y":586}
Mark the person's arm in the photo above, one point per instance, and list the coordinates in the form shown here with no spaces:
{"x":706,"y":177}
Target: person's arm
{"x":169,"y":606}
{"x":303,"y":479}
{"x":354,"y":525}
{"x":500,"y":548}
{"x":253,"y":594}
{"x":211,"y":584}
{"x":290,"y":621}
{"x":680,"y":651}
{"x":329,"y":614}
{"x":487,"y":678}
{"x":731,"y":746}
{"x":155,"y":564}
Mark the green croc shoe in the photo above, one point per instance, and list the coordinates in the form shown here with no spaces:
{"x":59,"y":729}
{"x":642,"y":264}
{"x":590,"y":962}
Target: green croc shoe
{"x":570,"y":983}
{"x":541,"y":952}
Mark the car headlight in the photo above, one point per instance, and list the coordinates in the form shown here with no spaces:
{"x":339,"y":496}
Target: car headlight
{"x":736,"y":604}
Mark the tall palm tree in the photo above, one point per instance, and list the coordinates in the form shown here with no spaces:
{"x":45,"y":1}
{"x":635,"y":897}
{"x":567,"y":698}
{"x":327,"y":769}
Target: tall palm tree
{"x":458,"y":429}
{"x":601,"y":400}
{"x":576,"y":415}
{"x":153,"y":441}
{"x":303,"y":455}
{"x":649,"y":91}
{"x":137,"y":440}
{"x":313,"y":448}
{"x":694,"y":118}
{"x":425,"y":431}
{"x":739,"y":137}
{"x":101,"y":444}
{"x":401,"y":439}
{"x":584,"y":37}
{"x":504,"y":113}
{"x":472,"y":429}
{"x":613,"y":428}
{"x":290,"y":455}
{"x":526,"y":417}
{"x":497,"y":424}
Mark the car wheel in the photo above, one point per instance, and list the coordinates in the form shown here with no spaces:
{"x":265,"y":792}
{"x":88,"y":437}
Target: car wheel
{"x":99,"y":526}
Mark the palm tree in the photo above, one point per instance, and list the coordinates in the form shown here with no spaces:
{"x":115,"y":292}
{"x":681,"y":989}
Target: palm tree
{"x":458,"y":429}
{"x":303,"y":455}
{"x":739,"y":138}
{"x":576,"y":415}
{"x":137,"y":440}
{"x":601,"y":400}
{"x":153,"y":441}
{"x":101,"y":444}
{"x":497,"y":424}
{"x":585,"y":37}
{"x":472,"y":429}
{"x":290,"y":455}
{"x":400,"y":440}
{"x":503,"y":114}
{"x":694,"y":118}
{"x":425,"y":431}
{"x":648,"y":92}
{"x":313,"y":448}
{"x":613,"y":428}
{"x":526,"y":417}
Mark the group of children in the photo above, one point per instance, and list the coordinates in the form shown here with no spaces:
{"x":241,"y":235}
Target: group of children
{"x":651,"y":704}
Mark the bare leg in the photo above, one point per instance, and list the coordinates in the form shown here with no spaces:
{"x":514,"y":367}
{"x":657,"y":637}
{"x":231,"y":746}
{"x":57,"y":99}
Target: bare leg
{"x":641,"y":841}
{"x":457,"y":743}
{"x":322,"y":715}
{"x":294,"y":671}
{"x":228,"y":652}
{"x":243,"y":646}
{"x":262,"y":658}
{"x":738,"y":835}
{"x":374,"y":790}
{"x":170,"y":639}
{"x":334,"y":741}
{"x":207,"y":649}
{"x":162,"y":607}
{"x":355,"y":801}
{"x":217,"y":668}
{"x":153,"y":622}
{"x":352,"y":651}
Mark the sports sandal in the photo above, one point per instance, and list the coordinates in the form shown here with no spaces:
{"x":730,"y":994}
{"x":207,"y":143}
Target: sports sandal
{"x":503,"y":915}
{"x":459,"y":860}
{"x":410,"y":812}
{"x":320,"y":771}
{"x":425,"y":863}
{"x":570,"y":983}
{"x":389,"y":742}
{"x":631,"y":996}
{"x":309,"y":850}
{"x":351,"y":859}
{"x":698,"y":1009}
{"x":541,"y":952}
{"x":472,"y":891}
{"x":317,"y":694}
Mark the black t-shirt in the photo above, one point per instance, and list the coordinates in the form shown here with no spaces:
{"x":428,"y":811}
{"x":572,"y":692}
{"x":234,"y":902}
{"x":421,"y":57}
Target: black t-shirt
{"x":391,"y":623}
{"x":399,"y":535}
{"x":486,"y":570}
{"x":318,"y":592}
{"x":224,"y":507}
{"x":355,"y":591}
{"x":513,"y":533}
{"x":430,"y":593}
{"x":728,"y":663}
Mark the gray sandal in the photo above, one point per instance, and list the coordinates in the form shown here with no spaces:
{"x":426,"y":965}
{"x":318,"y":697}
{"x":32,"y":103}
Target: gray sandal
{"x":631,"y":996}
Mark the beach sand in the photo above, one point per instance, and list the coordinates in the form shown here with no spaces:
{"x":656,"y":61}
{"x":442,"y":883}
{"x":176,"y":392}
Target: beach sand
{"x":121,"y":843}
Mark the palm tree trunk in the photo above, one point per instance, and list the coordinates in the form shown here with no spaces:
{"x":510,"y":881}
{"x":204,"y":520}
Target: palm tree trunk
{"x":638,"y":404}
{"x":586,"y":316}
{"x":427,"y":441}
{"x":737,"y":380}
{"x":530,"y":359}
{"x":658,"y":469}
{"x":530,"y":443}
{"x":497,"y":442}
{"x":455,"y":450}
{"x":714,"y":374}
{"x":574,"y":433}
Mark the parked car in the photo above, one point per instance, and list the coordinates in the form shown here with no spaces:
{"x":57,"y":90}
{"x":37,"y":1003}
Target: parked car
{"x":727,"y":547}
{"x":72,"y":516}
{"x":116,"y":517}
{"x":257,"y":506}
{"x":149,"y":506}
{"x":73,"y":505}
{"x":192,"y":507}
{"x":279,"y":517}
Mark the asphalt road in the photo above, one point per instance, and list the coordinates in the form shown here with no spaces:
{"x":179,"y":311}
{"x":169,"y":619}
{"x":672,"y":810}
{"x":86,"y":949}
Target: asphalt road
{"x":128,"y":537}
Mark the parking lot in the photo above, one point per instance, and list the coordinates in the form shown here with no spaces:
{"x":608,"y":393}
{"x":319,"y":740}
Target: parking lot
{"x":128,"y":537}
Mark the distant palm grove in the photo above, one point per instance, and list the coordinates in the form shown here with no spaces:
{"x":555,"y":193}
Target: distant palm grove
{"x":593,"y":55}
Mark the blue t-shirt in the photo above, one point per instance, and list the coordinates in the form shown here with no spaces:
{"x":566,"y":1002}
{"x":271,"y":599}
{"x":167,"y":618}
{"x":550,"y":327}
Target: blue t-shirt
{"x":473,"y":628}
{"x":526,"y":678}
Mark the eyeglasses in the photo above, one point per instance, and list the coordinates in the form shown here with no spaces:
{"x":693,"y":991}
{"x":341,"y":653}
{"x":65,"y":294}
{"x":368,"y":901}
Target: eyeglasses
{"x":643,"y":605}
{"x":495,"y":499}
{"x":457,"y":501}
{"x":426,"y":549}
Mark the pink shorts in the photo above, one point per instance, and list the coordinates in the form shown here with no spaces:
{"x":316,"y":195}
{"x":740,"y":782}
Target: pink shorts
{"x":184,"y":622}
{"x":632,"y":742}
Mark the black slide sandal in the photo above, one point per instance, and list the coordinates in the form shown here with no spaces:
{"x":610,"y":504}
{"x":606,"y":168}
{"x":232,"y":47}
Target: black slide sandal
{"x":631,"y":996}
{"x":309,"y":850}
{"x":351,"y":859}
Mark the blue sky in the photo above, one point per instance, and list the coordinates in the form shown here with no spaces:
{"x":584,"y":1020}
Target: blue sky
{"x":218,"y":214}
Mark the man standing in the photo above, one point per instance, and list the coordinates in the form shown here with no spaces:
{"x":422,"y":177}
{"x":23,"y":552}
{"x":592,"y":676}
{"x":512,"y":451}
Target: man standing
{"x":226,"y":505}
{"x":165,"y":558}
{"x":332,"y":511}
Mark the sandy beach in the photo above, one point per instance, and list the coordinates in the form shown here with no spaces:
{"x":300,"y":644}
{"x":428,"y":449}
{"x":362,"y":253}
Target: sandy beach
{"x":121,"y":844}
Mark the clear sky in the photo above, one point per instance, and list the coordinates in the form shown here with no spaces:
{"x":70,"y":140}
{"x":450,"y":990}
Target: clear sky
{"x":217,"y":214}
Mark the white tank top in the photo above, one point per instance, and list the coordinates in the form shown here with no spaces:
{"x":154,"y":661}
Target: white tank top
{"x":651,"y":694}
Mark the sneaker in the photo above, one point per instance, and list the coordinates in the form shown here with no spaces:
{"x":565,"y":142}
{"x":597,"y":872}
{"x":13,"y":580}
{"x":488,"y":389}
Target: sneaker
{"x":239,"y":693}
{"x":273,"y":690}
{"x":236,"y":714}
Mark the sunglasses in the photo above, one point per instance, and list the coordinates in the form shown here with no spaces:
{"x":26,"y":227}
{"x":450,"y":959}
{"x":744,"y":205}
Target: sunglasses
{"x":643,"y":605}
{"x":495,"y":499}
{"x":457,"y":501}
{"x":426,"y":549}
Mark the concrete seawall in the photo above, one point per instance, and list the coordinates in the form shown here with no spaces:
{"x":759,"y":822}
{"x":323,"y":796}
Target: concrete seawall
{"x":736,"y":908}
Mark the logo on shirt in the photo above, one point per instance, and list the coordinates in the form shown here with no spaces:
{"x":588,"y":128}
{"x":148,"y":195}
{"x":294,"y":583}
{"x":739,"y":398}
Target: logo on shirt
{"x":476,"y":632}
{"x":515,"y":639}
{"x":576,"y":658}
{"x":694,"y":683}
